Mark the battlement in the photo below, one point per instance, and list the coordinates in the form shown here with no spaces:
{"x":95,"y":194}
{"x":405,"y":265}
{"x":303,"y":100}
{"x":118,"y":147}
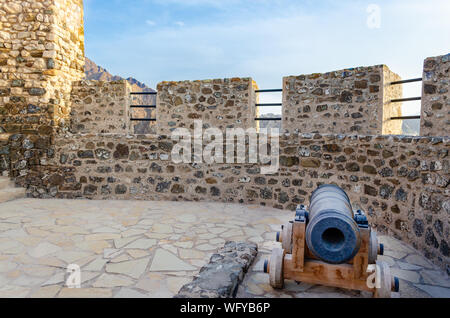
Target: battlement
{"x":64,"y":137}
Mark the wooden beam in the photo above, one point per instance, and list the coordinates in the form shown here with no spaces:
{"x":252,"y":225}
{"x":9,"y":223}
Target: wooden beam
{"x":320,"y":273}
{"x":298,"y":245}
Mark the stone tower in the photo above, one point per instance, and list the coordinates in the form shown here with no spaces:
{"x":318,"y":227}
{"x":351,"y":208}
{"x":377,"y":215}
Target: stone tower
{"x":41,"y":54}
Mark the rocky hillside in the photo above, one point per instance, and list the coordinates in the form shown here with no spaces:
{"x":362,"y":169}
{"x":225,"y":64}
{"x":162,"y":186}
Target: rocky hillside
{"x":98,"y":73}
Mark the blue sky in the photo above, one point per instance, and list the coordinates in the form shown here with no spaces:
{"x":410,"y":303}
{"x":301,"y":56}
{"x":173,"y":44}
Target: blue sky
{"x":156,"y":40}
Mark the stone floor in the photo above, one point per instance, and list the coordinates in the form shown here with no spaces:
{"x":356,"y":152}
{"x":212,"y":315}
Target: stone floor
{"x":151,"y":249}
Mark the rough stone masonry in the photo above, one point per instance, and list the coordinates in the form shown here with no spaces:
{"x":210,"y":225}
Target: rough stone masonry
{"x":66,"y":138}
{"x":436,"y":97}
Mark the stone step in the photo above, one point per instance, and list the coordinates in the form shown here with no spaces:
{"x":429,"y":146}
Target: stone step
{"x":10,"y":194}
{"x":5,"y":183}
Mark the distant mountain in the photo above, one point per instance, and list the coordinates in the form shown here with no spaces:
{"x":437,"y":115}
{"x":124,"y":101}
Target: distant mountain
{"x":270,"y":123}
{"x":98,"y":73}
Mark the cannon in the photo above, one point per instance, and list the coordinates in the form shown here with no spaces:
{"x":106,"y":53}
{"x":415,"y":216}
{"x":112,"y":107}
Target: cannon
{"x":330,"y":244}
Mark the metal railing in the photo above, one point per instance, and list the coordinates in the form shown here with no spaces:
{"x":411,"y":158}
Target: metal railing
{"x":143,"y":106}
{"x":273,"y":90}
{"x":408,"y":99}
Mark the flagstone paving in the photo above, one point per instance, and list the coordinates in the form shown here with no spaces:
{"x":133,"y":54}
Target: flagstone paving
{"x":151,"y":249}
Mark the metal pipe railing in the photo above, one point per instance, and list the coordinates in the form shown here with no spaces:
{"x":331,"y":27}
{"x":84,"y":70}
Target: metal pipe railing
{"x":419,"y":79}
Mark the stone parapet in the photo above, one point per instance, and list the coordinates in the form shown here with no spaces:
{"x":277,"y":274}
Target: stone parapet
{"x":219,"y":103}
{"x":348,"y":101}
{"x":100,"y":107}
{"x":435,"y":119}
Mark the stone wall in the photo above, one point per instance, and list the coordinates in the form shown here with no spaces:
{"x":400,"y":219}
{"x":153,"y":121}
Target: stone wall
{"x":41,"y":52}
{"x":221,"y":103}
{"x":401,"y":182}
{"x":102,"y":107}
{"x":436,"y":97}
{"x":341,"y":102}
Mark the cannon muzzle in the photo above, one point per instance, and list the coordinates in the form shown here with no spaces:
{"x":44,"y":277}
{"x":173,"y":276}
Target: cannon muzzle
{"x":332,"y":234}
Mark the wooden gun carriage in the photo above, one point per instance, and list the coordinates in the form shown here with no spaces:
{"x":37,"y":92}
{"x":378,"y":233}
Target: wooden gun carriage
{"x":331,"y":245}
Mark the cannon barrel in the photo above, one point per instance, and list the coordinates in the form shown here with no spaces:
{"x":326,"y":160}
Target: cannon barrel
{"x":332,"y":234}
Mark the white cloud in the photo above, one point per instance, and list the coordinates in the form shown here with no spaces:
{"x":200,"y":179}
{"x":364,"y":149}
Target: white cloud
{"x":179,"y":23}
{"x":283,"y":41}
{"x":150,"y":22}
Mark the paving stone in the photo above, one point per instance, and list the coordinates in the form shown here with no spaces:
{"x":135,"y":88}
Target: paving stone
{"x":164,"y":261}
{"x":157,"y":236}
{"x":149,"y":284}
{"x":121,"y":258}
{"x":111,"y":281}
{"x":133,"y":268}
{"x":408,"y":266}
{"x":56,"y":279}
{"x":38,"y":271}
{"x":162,"y":228}
{"x":191,"y":254}
{"x":188,"y":244}
{"x":170,"y":248}
{"x":14,"y":291}
{"x":105,"y":229}
{"x":410,"y":276}
{"x":188,"y":218}
{"x":175,"y":283}
{"x":50,"y":261}
{"x":96,"y":265}
{"x":137,"y":253}
{"x":94,"y":246}
{"x":142,"y":244}
{"x":133,"y":232}
{"x":6,"y":266}
{"x":418,"y":260}
{"x":26,"y":281}
{"x":254,"y":289}
{"x":436,"y":278}
{"x":206,"y":247}
{"x":395,"y":254}
{"x":121,"y":242}
{"x":46,"y":292}
{"x":408,"y":290}
{"x":85,"y":293}
{"x":435,"y":291}
{"x":217,"y":230}
{"x":111,"y":252}
{"x":129,"y":293}
{"x":102,"y":236}
{"x":70,"y":257}
{"x":11,"y":247}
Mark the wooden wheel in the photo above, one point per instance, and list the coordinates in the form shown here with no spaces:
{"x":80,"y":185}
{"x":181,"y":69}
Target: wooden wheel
{"x":286,"y":242}
{"x":276,"y":268}
{"x":384,"y":284}
{"x":373,"y":247}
